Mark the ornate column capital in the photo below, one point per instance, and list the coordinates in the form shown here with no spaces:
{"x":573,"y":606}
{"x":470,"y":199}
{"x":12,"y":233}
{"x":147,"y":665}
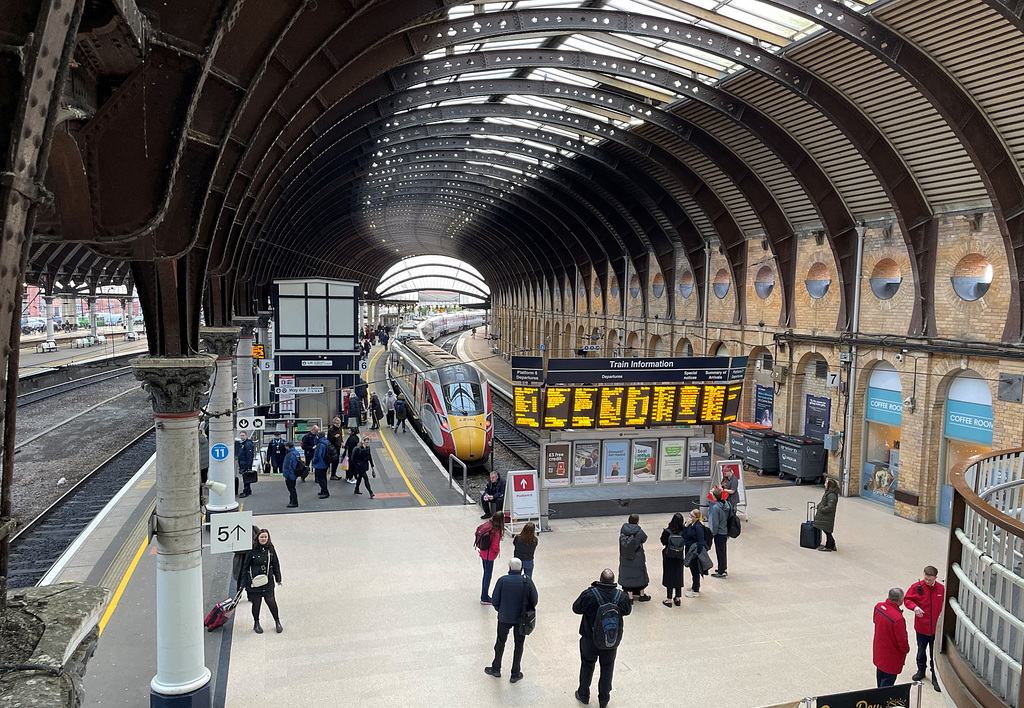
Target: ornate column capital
{"x":220,"y":340}
{"x":174,"y":384}
{"x":264,"y":317}
{"x":248,"y":325}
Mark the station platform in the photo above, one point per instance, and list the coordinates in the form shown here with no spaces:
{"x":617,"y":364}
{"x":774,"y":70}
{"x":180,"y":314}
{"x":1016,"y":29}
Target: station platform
{"x":32,"y":363}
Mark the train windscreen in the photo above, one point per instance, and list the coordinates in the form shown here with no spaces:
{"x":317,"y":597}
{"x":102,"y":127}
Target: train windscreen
{"x":464,"y":398}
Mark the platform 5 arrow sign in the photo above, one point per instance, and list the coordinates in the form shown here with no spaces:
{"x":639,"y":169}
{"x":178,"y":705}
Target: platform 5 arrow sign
{"x":231,"y":532}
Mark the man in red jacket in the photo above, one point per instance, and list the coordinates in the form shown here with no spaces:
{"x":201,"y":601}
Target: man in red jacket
{"x":926,"y":598}
{"x":890,"y":646}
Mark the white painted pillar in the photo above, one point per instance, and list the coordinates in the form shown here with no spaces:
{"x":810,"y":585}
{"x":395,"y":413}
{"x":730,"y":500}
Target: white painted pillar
{"x":264,"y":338}
{"x":243,"y":366}
{"x":48,"y":304}
{"x":92,"y":316}
{"x":222,"y":341}
{"x":176,"y":384}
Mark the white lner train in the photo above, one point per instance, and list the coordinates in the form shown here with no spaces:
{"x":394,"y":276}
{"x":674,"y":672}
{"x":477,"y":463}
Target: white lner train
{"x":439,"y":325}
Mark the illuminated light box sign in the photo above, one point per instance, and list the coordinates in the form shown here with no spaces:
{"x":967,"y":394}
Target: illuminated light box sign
{"x":582,"y":407}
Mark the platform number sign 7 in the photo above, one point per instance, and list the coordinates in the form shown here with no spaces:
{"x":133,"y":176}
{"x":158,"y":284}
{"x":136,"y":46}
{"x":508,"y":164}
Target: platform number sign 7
{"x":833,"y":379}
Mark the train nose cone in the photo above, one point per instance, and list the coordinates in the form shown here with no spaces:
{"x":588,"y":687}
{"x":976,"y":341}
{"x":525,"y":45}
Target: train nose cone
{"x":469,"y":442}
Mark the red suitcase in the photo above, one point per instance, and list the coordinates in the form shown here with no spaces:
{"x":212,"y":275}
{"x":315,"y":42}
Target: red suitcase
{"x":222,"y":612}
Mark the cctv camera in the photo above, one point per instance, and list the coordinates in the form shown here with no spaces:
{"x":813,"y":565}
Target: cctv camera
{"x":899,"y":357}
{"x":216,"y":487}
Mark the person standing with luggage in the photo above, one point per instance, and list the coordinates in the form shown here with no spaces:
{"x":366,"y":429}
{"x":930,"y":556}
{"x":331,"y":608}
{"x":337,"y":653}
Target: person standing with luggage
{"x":260,"y":570}
{"x":695,"y":547}
{"x":673,"y":540}
{"x":350,"y":446}
{"x":730,"y":486}
{"x":389,"y":407}
{"x":488,"y":542}
{"x":321,"y":462}
{"x":276,"y":452}
{"x":720,"y":528}
{"x":376,"y":411}
{"x":603,"y":607}
{"x":524,"y":546}
{"x":890,"y":646}
{"x":335,"y":435}
{"x":245,"y":452}
{"x":513,"y":595}
{"x":632,"y":560}
{"x":288,"y":469}
{"x":825,"y":517}
{"x":926,"y":598}
{"x":359,"y":462}
{"x":401,"y":411}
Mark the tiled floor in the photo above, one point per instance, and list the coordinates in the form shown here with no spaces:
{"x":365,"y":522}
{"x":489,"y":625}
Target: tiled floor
{"x":380,"y":608}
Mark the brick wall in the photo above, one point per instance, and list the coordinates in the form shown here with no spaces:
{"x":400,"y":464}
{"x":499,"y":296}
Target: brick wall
{"x":885,"y":255}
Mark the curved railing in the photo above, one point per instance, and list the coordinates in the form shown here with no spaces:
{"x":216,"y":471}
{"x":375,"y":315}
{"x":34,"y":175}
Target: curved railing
{"x":983,"y":623}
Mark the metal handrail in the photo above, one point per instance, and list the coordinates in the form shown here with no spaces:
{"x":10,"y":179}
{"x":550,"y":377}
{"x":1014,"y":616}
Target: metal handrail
{"x":451,"y":476}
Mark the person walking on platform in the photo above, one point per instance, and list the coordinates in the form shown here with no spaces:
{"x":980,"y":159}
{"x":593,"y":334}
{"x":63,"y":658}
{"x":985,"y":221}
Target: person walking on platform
{"x":632,"y":560}
{"x":389,"y":407}
{"x":493,"y":497}
{"x":355,"y":412}
{"x":695,"y":549}
{"x":334,"y":436}
{"x":260,"y":570}
{"x":245,"y":452}
{"x":350,"y":446}
{"x":359,"y":462}
{"x":276,"y":452}
{"x":288,"y":470}
{"x":925,"y":598}
{"x":362,"y":393}
{"x":320,"y":465}
{"x":890,"y":646}
{"x":376,"y":411}
{"x":603,"y":607}
{"x":825,"y":516}
{"x":673,"y":540}
{"x":488,"y":543}
{"x":401,"y":411}
{"x":513,"y":595}
{"x":524,"y":546}
{"x":720,"y":528}
{"x":308,"y":443}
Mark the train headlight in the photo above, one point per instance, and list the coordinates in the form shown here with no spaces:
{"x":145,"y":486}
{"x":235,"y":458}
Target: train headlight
{"x":444,"y":423}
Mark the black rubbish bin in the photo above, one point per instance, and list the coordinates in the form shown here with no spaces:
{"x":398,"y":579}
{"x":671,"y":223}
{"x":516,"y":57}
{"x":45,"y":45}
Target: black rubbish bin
{"x":801,"y":458}
{"x":737,"y":443}
{"x":762,"y":450}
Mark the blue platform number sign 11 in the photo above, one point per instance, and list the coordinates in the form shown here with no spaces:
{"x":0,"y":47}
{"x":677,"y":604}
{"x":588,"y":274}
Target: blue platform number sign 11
{"x":219,"y":452}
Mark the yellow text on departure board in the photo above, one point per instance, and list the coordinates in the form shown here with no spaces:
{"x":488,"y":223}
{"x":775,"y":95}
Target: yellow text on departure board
{"x":638,"y":405}
{"x":526,"y":406}
{"x":609,"y":413}
{"x":556,"y":406}
{"x":584,"y":407}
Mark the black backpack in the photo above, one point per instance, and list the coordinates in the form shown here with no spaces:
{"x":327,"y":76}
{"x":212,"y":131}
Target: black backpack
{"x":628,"y":545}
{"x":332,"y":455}
{"x":732,"y":521}
{"x":607,"y":622}
{"x":300,"y":467}
{"x":400,"y":407}
{"x":676,"y":545}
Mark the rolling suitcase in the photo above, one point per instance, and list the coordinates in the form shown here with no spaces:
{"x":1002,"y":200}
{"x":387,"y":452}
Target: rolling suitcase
{"x":810,"y":537}
{"x":222,"y":612}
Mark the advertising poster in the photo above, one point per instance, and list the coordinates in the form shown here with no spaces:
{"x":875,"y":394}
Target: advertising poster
{"x":615,"y":462}
{"x":557,"y":465}
{"x":525,"y":502}
{"x":764,"y":405}
{"x":673,"y":459}
{"x":817,"y":417}
{"x":645,"y":461}
{"x":586,"y":458}
{"x":698,"y":458}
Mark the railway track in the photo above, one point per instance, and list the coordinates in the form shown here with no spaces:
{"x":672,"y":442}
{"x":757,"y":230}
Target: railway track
{"x":42,"y":394}
{"x":519,"y":444}
{"x":37,"y":545}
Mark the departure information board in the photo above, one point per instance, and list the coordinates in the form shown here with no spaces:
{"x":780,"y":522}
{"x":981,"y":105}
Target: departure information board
{"x":584,"y":407}
{"x":557,"y":402}
{"x":526,"y":405}
{"x":609,"y":413}
{"x":626,"y":406}
{"x":638,"y":406}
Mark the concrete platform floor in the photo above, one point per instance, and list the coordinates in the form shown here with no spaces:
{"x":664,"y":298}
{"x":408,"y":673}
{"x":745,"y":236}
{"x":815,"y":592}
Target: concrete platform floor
{"x":381,"y":608}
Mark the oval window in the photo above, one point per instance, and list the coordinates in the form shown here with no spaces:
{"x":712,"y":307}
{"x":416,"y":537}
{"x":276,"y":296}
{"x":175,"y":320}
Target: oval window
{"x":764,"y":282}
{"x":686,"y":285}
{"x":818,"y":280}
{"x":658,"y":285}
{"x":972,"y":277}
{"x":597,"y":289}
{"x":721,"y":284}
{"x":886,"y":278}
{"x":634,"y":286}
{"x":613,"y":287}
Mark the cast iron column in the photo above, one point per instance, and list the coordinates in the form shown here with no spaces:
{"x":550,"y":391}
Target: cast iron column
{"x":262,"y":377}
{"x":243,"y":366}
{"x":222,"y":341}
{"x":175,"y":385}
{"x":48,"y":304}
{"x":93,"y":327}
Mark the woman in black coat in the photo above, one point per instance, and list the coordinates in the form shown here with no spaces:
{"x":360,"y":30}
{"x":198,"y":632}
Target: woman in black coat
{"x":334,"y":436}
{"x":350,"y":446}
{"x":672,"y":559}
{"x":695,"y":543}
{"x":632,"y":560}
{"x":261,"y":563}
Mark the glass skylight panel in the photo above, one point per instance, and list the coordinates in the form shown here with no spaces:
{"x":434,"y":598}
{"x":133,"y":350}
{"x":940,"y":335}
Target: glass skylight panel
{"x":637,"y":39}
{"x":786,"y":22}
{"x":459,"y":11}
{"x":737,"y":14}
{"x":593,"y":45}
{"x":460,"y":101}
{"x":548,"y":4}
{"x":518,"y":122}
{"x":524,"y":43}
{"x":561,"y":76}
{"x":498,"y":6}
{"x":651,"y":9}
{"x":695,"y":55}
{"x":485,"y":75}
{"x":536,"y":102}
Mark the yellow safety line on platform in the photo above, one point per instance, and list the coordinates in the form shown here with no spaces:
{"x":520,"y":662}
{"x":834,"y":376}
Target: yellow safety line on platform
{"x":394,"y":457}
{"x":123,"y":585}
{"x":123,"y":557}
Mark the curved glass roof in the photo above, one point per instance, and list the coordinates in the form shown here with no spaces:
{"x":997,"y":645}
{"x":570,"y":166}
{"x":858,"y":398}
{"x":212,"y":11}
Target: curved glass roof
{"x":433,"y":273}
